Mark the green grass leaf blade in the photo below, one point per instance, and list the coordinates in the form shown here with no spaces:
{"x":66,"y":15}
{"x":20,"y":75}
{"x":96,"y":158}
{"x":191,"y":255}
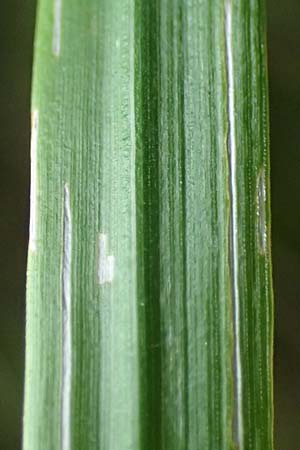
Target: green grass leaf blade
{"x":149,"y":297}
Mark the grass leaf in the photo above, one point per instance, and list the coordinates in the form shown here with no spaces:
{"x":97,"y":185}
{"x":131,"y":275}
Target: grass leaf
{"x":149,"y":298}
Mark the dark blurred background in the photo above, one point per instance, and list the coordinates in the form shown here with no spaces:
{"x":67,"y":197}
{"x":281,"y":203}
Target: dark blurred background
{"x":16,"y":31}
{"x":284,"y":79}
{"x":16,"y":34}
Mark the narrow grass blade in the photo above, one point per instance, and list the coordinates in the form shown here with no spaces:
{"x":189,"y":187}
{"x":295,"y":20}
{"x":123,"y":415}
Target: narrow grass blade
{"x":149,"y":298}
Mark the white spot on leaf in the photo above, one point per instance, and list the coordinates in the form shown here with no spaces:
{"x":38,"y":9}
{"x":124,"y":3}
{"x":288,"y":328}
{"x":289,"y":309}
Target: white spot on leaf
{"x":261,"y":211}
{"x":56,"y":27}
{"x":106,"y":262}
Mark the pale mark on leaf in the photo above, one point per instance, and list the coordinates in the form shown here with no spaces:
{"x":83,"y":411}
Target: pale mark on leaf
{"x":33,"y":181}
{"x":238,"y":427}
{"x":66,"y":324}
{"x":106,"y":262}
{"x":56,"y":27}
{"x":261,"y":226}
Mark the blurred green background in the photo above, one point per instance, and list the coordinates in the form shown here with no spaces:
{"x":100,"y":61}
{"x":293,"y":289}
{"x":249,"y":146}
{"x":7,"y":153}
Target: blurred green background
{"x":16,"y":28}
